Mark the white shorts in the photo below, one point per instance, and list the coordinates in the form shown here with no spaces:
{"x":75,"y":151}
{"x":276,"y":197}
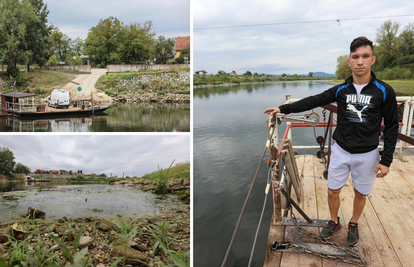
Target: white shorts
{"x":361,"y":166}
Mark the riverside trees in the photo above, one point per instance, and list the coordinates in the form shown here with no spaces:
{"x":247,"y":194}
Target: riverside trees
{"x":112,"y":42}
{"x":394,"y":53}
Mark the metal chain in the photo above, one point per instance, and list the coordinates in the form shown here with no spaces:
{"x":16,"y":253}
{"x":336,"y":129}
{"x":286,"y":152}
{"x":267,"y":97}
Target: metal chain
{"x":359,"y":261}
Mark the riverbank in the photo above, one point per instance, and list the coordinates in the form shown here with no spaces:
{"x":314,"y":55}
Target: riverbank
{"x":151,"y":240}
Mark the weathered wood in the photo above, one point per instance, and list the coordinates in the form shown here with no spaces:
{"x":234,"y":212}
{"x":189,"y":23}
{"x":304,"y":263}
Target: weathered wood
{"x":289,"y":166}
{"x":308,"y":205}
{"x":386,"y":226}
{"x":369,"y":252}
{"x":288,"y":144}
{"x":272,"y":257}
{"x":393,"y":220}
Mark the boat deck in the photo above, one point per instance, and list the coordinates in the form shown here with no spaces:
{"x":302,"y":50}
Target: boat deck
{"x":386,"y":227}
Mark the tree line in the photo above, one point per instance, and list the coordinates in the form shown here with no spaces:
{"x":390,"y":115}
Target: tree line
{"x":8,"y":164}
{"x":27,"y":38}
{"x":394,"y":53}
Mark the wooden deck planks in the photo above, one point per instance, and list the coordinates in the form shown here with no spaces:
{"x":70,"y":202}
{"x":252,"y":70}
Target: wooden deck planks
{"x":386,"y":226}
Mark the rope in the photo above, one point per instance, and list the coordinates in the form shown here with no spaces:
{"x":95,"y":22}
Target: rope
{"x":269,"y":180}
{"x":226,"y":257}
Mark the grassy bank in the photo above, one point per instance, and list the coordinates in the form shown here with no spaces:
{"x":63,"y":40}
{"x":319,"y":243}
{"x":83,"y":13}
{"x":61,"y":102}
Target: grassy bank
{"x":401,"y":87}
{"x":40,"y":81}
{"x":224,"y":79}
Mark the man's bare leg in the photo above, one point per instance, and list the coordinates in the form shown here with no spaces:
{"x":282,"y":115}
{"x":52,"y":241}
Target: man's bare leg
{"x":359,"y":204}
{"x":333,"y":203}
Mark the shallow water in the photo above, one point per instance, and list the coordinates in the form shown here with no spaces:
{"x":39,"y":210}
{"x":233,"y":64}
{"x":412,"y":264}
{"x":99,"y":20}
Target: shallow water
{"x":79,"y":200}
{"x":141,"y":117}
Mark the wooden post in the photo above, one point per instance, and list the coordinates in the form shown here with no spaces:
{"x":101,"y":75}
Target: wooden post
{"x":274,"y":159}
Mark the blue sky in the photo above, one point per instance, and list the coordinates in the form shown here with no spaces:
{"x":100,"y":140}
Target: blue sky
{"x":75,"y":17}
{"x":117,"y":154}
{"x":287,"y":46}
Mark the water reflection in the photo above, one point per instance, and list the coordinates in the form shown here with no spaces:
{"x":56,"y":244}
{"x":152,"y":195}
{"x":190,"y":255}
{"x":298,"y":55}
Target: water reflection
{"x":142,"y":117}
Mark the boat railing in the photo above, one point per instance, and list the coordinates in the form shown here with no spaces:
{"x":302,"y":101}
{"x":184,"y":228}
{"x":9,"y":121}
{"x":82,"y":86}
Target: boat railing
{"x":281,"y":151}
{"x":20,"y":107}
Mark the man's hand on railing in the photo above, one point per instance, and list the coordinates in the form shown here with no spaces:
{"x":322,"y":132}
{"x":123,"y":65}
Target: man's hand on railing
{"x":272,"y":110}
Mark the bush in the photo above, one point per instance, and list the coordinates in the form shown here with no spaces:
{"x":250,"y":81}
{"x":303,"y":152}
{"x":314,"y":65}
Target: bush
{"x":182,"y":92}
{"x":160,"y":93}
{"x":52,"y":61}
{"x":13,"y":71}
{"x":22,"y":79}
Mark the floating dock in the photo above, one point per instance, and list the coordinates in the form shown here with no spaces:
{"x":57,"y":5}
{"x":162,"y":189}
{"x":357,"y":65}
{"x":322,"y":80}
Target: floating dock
{"x":386,"y":226}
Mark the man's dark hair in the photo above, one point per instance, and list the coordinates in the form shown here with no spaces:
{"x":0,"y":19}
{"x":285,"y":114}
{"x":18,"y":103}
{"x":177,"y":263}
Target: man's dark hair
{"x":360,"y":41}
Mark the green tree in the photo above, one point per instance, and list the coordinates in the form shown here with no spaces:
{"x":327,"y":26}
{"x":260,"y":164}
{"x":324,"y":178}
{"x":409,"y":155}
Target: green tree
{"x":6,"y":161}
{"x":77,"y":46}
{"x":256,"y":74}
{"x":138,"y":44}
{"x":185,"y":53}
{"x":248,"y":73}
{"x":342,"y":68}
{"x":52,"y":61}
{"x":284,"y":75}
{"x":15,"y":18}
{"x":387,"y":40}
{"x":406,"y":40}
{"x":38,"y":36}
{"x":105,"y":41}
{"x":20,"y":168}
{"x":163,"y":49}
{"x":310,"y":74}
{"x":60,"y":44}
{"x":70,"y":172}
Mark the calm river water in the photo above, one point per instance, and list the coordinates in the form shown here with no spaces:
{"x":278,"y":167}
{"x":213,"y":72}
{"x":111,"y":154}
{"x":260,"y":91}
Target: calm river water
{"x":78,"y":200}
{"x":118,"y":118}
{"x":229,"y":138}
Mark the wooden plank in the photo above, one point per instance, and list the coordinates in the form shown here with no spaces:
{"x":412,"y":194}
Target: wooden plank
{"x":367,"y":244}
{"x":308,"y":205}
{"x":406,"y":169}
{"x":394,"y":221}
{"x":403,"y":192}
{"x":287,"y":160}
{"x":275,"y":233}
{"x":288,"y":145}
{"x":381,"y":239}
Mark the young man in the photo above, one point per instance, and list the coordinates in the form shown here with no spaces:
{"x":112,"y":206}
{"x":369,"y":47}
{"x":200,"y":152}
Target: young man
{"x":362,"y":101}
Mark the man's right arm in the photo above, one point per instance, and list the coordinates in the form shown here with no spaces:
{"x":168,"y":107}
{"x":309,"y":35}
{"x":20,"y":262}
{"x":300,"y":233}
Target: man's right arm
{"x":307,"y":103}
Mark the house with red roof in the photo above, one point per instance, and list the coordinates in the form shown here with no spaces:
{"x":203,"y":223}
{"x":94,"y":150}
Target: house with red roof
{"x":180,"y":44}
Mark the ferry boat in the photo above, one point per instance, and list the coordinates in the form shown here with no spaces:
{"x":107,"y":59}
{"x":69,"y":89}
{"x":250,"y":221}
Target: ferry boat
{"x":386,"y":226}
{"x":23,"y":105}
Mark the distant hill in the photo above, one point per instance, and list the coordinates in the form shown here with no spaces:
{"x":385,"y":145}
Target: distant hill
{"x":315,"y":74}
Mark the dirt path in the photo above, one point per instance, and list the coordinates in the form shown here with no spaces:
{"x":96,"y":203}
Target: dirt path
{"x":87,"y":83}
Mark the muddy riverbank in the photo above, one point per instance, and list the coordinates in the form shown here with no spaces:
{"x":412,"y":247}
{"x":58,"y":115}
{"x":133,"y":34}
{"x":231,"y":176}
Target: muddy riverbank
{"x":101,"y":239}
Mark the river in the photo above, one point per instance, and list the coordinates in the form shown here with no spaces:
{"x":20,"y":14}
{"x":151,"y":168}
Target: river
{"x":75,"y":200}
{"x":141,"y":117}
{"x":229,"y":139}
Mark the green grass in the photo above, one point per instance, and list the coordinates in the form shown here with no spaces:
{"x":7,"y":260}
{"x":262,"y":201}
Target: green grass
{"x":46,"y":80}
{"x":401,"y":87}
{"x":179,"y":170}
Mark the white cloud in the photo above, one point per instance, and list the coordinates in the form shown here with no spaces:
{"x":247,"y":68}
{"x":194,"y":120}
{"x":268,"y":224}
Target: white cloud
{"x":116,"y":154}
{"x":299,"y":41}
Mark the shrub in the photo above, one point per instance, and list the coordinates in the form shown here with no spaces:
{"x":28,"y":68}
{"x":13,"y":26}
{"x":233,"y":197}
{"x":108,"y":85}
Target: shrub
{"x":160,"y":93}
{"x":182,"y":92}
{"x":52,"y":61}
{"x":22,"y":79}
{"x":13,"y":70}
